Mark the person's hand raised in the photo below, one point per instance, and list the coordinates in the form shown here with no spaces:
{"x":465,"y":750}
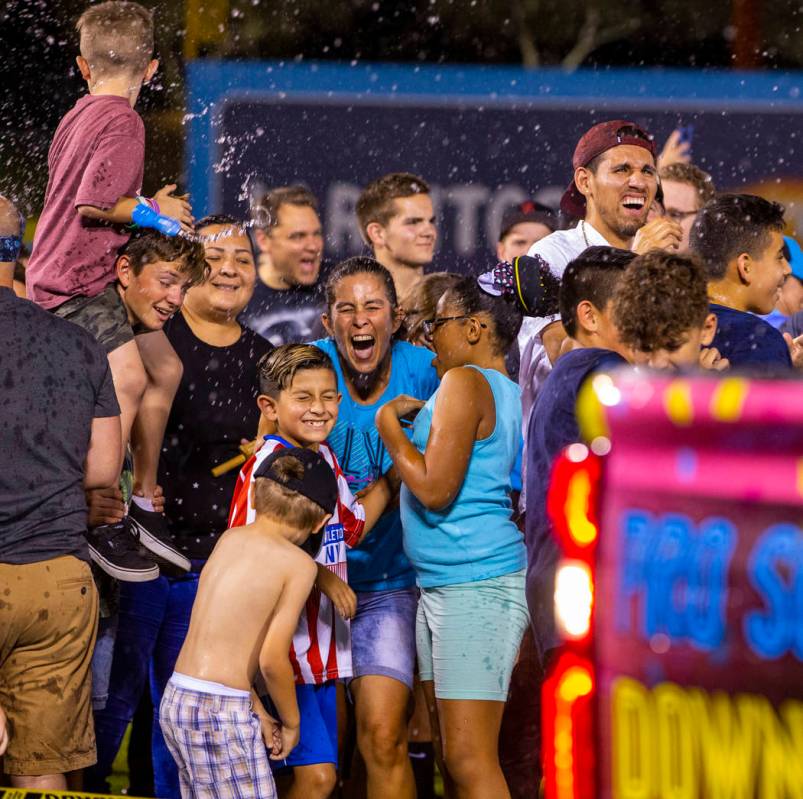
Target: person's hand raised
{"x":675,"y":151}
{"x":404,"y":405}
{"x":795,"y":349}
{"x":659,"y":234}
{"x":175,"y":206}
{"x":710,"y":358}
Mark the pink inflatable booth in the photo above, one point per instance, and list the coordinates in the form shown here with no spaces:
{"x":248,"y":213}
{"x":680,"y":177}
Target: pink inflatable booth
{"x":680,"y":595}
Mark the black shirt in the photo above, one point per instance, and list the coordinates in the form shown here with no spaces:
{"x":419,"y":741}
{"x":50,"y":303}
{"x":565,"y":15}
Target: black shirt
{"x":289,"y":316}
{"x":214,"y":409}
{"x":553,"y":426}
{"x":54,"y":380}
{"x":749,"y":342}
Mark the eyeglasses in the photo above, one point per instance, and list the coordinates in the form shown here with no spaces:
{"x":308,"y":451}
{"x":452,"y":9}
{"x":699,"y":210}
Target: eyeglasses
{"x":431,"y":325}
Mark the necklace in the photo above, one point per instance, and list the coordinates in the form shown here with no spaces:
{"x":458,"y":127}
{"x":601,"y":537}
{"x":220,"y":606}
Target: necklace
{"x":583,"y":231}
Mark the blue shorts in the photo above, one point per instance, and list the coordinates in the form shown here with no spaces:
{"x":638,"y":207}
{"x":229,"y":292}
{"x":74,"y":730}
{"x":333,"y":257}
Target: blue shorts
{"x":317,"y":706}
{"x":383,"y":634}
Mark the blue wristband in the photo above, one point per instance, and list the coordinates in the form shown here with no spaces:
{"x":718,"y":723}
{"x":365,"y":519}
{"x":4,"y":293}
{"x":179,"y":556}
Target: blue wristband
{"x":145,"y":216}
{"x":9,"y":248}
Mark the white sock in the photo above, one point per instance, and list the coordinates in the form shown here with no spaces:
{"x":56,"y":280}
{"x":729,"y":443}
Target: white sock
{"x":143,"y":502}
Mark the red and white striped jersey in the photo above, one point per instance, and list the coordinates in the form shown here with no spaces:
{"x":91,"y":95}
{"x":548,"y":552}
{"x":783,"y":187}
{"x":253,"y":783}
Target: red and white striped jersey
{"x":321,"y":648}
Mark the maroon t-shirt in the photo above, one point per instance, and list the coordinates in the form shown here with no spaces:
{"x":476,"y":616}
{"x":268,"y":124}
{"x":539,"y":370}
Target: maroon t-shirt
{"x":97,"y":157}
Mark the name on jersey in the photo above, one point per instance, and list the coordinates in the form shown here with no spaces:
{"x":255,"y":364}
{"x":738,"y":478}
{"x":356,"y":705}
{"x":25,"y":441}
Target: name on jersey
{"x":332,"y":544}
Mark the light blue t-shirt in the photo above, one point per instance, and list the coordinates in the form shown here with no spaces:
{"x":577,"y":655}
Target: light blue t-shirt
{"x":379,"y":563}
{"x":474,"y":538}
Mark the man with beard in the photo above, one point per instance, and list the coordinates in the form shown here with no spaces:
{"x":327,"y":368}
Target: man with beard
{"x":614,"y":184}
{"x":362,"y":319}
{"x":288,"y":296}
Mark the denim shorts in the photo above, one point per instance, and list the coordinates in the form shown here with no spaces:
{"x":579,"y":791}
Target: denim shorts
{"x":468,"y":636}
{"x":383,"y":634}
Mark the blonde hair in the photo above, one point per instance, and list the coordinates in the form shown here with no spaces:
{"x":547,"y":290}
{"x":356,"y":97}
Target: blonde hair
{"x":116,"y":37}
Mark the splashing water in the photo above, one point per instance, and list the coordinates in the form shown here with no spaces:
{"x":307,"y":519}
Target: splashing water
{"x":260,"y":218}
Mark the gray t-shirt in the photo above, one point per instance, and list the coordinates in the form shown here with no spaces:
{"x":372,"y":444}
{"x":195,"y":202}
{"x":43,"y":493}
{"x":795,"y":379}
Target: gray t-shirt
{"x":54,"y":380}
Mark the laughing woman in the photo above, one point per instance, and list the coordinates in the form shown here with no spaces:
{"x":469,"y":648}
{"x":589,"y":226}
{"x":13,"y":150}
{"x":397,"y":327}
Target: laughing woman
{"x":468,"y":555}
{"x":363,"y":318}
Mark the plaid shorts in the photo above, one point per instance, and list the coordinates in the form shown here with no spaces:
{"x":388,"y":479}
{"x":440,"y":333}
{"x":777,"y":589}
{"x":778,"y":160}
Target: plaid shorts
{"x":217,"y":744}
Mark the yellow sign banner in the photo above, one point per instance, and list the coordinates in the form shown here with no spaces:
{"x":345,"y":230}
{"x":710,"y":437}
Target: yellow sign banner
{"x":671,"y":742}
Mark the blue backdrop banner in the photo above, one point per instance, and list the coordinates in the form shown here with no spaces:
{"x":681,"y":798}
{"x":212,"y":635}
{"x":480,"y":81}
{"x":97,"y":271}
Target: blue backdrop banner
{"x":483,"y":137}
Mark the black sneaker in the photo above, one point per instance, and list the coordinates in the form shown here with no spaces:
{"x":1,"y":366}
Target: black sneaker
{"x":154,"y":534}
{"x":117,"y":553}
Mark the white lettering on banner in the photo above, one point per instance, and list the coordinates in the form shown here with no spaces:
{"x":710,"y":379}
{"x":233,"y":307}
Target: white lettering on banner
{"x":466,"y":199}
{"x":342,"y":229}
{"x":474,"y":225}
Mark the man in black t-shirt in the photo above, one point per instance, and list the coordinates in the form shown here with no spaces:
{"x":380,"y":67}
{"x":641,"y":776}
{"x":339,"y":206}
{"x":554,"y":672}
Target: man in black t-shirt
{"x":60,"y":434}
{"x":288,"y":296}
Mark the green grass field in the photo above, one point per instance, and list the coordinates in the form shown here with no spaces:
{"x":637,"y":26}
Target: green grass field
{"x":118,"y":781}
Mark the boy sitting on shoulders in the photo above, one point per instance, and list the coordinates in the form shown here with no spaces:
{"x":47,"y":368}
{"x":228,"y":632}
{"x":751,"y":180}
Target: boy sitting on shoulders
{"x":250,"y":595}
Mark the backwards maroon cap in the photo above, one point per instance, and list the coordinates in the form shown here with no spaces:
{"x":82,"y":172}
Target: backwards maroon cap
{"x":594,"y":142}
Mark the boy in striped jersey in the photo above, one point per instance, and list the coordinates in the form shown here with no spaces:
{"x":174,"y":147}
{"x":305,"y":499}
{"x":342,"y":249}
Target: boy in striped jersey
{"x":299,"y":396}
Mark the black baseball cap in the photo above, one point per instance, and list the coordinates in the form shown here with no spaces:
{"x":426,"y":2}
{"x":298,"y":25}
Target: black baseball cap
{"x":318,"y":483}
{"x":529,"y":280}
{"x":527,"y":211}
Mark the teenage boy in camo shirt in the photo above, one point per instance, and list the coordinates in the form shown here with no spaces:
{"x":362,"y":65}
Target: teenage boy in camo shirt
{"x":154,"y":273}
{"x":96,"y":163}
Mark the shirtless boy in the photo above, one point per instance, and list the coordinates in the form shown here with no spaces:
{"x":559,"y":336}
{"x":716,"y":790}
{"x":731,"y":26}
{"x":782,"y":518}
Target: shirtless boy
{"x":242,"y":625}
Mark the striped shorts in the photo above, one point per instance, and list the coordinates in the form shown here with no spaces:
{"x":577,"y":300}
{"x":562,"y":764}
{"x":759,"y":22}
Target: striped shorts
{"x":217,"y":744}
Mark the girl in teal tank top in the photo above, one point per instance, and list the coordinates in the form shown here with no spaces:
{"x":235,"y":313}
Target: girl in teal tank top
{"x":468,"y":554}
